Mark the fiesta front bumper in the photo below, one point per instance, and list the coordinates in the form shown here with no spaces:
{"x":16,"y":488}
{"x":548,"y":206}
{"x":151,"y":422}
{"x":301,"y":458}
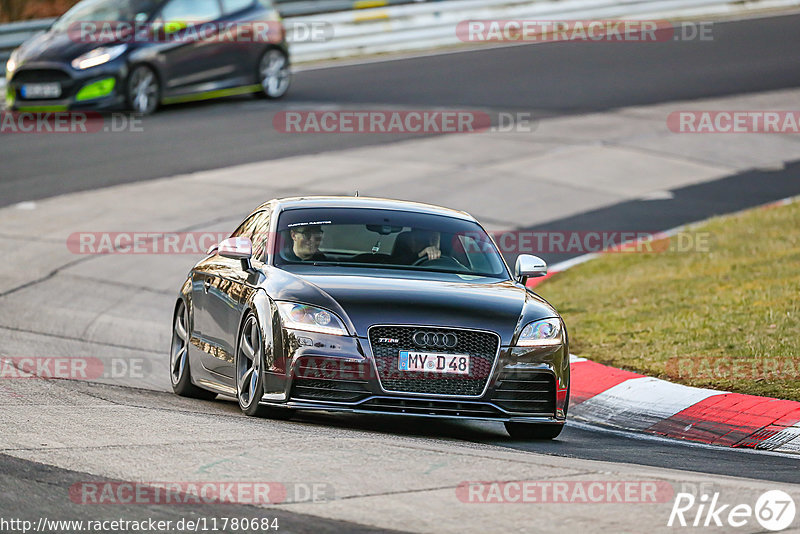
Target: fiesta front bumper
{"x":99,"y":88}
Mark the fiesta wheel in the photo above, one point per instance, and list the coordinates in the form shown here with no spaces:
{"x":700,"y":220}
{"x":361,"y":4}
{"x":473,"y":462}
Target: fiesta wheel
{"x":143,"y":90}
{"x":274,"y":74}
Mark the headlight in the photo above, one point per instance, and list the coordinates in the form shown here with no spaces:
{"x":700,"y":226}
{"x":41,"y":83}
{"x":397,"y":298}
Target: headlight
{"x":98,"y":56}
{"x":303,"y":317}
{"x":544,"y":333}
{"x":11,"y":64}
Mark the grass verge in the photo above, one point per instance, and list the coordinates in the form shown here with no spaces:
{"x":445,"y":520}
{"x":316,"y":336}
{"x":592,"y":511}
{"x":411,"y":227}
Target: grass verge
{"x":724,"y":316}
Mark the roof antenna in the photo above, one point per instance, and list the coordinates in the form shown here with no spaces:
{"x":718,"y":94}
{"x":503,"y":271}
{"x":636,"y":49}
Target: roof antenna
{"x":356,"y":192}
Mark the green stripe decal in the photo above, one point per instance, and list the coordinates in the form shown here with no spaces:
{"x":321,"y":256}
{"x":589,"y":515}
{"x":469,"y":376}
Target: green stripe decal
{"x":42,"y":109}
{"x":96,"y":90}
{"x":209,"y":95}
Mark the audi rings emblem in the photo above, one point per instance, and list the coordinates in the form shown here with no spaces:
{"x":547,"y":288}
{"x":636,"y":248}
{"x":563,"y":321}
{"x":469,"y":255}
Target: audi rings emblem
{"x":433,"y":339}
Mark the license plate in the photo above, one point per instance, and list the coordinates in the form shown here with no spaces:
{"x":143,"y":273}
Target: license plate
{"x":433,"y":362}
{"x":41,"y":90}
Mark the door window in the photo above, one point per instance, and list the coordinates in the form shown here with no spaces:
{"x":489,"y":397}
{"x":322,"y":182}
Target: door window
{"x":256,"y":227}
{"x":232,"y":6}
{"x":191,"y":11}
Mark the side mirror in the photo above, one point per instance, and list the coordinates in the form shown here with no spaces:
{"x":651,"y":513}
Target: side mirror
{"x":528,"y":266}
{"x":237,"y":248}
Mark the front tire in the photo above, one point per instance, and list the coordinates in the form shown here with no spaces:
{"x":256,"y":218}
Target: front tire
{"x":249,"y":372}
{"x":143,"y":93}
{"x":180,"y":373}
{"x":274,"y":74}
{"x":533,"y":431}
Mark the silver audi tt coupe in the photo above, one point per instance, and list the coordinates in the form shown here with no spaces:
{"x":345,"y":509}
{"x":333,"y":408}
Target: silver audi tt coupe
{"x":371,"y":306}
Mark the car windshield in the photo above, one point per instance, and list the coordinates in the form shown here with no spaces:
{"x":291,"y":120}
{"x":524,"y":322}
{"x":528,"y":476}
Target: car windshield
{"x":385,"y":239}
{"x":107,"y":11}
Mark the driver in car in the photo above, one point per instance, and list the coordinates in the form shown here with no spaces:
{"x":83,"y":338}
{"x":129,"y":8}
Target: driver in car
{"x":417,"y":245}
{"x":305,"y":244}
{"x":427,"y":243}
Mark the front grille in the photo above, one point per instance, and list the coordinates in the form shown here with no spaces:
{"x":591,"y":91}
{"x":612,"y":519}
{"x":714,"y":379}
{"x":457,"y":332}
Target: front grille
{"x":526,"y":392}
{"x":480,"y":346}
{"x":68,"y":85}
{"x":328,"y":379}
{"x":431,"y":407}
{"x":41,"y":76}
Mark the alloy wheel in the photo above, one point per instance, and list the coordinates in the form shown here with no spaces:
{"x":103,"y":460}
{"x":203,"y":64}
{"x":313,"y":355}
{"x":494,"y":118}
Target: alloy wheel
{"x":274,"y":73}
{"x":143,"y":90}
{"x":248,"y":364}
{"x":179,"y":351}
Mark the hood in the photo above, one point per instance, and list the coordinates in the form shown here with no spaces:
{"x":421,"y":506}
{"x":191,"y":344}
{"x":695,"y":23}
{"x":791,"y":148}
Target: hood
{"x":54,"y":46}
{"x":369,"y":300}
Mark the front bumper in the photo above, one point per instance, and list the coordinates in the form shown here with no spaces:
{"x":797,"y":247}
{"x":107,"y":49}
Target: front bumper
{"x":337,"y":374}
{"x":71,"y":82}
{"x":474,"y":411}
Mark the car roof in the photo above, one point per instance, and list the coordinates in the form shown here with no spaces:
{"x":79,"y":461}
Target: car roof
{"x":364,"y":203}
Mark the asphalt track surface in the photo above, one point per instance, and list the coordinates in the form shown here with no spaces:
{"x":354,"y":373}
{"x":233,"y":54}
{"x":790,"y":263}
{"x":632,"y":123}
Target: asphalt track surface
{"x":46,"y":485}
{"x":545,"y":79}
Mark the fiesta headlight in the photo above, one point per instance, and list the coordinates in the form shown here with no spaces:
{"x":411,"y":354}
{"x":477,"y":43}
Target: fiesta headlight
{"x":544,"y":333}
{"x":98,"y":56}
{"x":304,"y":317}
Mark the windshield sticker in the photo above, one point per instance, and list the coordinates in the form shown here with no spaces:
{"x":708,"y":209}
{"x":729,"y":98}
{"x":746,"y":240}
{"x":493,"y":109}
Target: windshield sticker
{"x":312,"y":223}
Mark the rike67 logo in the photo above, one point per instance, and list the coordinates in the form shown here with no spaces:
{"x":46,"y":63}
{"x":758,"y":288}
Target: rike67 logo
{"x":774,"y":510}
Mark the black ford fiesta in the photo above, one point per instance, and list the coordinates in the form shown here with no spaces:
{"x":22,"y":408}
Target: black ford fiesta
{"x":371,"y":306}
{"x":138,"y":54}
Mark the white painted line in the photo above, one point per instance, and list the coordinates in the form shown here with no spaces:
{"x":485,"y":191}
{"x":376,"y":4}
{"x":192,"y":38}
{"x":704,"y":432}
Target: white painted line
{"x":787,"y":439}
{"x":792,"y":446}
{"x":639,"y":403}
{"x":658,"y":195}
{"x":568,"y":264}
